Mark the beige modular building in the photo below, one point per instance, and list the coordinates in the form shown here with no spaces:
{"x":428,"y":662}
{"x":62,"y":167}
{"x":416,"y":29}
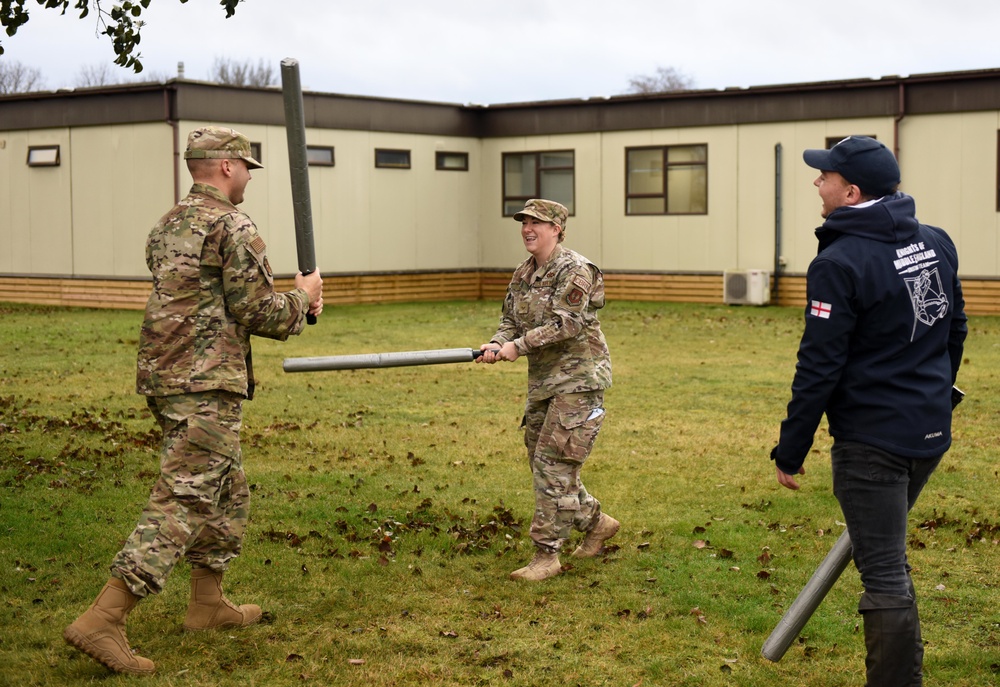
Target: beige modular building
{"x":697,"y":196}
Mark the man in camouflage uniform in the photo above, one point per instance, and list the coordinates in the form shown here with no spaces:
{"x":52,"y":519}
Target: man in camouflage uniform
{"x":550,"y":315}
{"x":212,"y":289}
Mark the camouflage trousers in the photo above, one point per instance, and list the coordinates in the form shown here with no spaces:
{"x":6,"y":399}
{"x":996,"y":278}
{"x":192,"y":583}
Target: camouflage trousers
{"x":199,"y":505}
{"x":559,"y":433}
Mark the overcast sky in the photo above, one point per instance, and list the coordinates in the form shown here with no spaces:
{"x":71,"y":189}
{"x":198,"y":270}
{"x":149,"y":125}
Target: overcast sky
{"x":478,"y":51}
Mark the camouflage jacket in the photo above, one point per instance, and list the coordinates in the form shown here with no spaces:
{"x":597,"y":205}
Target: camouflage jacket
{"x":550,"y":313}
{"x":212,"y":289}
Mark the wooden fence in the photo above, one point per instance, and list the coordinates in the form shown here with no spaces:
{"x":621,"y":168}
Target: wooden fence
{"x":982,"y":295}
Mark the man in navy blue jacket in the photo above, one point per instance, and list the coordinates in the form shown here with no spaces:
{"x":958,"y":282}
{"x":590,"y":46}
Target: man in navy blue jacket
{"x":884,"y":332}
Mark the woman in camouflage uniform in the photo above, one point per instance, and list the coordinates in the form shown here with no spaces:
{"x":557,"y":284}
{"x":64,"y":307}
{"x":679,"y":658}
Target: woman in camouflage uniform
{"x":550,"y":316}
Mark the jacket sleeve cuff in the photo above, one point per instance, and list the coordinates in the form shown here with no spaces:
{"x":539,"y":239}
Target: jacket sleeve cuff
{"x":783,"y":464}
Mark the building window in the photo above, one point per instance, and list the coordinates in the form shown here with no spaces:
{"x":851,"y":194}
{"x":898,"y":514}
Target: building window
{"x":548,"y":174}
{"x":834,"y":140}
{"x":43,"y":156}
{"x":319,"y":156}
{"x":394,"y":159}
{"x":456,"y":162}
{"x":255,"y":152}
{"x":666,"y":180}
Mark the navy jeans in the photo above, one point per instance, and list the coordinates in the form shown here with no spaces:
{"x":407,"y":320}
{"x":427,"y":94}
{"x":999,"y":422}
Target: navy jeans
{"x":876,"y":491}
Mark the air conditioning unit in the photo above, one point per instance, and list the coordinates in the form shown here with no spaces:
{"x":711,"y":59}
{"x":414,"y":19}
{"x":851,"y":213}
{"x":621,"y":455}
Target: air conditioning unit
{"x":746,"y":287}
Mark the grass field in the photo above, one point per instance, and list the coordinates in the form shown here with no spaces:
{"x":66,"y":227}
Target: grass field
{"x":390,"y":505}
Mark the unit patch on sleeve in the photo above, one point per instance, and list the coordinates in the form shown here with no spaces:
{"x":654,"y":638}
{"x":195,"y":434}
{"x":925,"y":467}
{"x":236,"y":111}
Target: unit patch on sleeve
{"x":579,"y":287}
{"x":258,"y":249}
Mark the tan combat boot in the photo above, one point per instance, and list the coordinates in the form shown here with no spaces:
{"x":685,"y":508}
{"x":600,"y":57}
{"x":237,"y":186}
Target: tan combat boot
{"x":210,"y":610}
{"x":541,"y":567}
{"x":605,"y":528}
{"x":100,"y":631}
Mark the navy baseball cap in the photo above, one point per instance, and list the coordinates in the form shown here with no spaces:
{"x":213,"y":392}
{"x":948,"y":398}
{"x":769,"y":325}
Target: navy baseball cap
{"x":862,"y":160}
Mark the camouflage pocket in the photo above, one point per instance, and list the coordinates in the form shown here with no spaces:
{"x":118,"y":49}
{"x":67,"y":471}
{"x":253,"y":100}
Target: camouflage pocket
{"x":213,"y":437}
{"x":202,"y":469}
{"x":577,"y":432}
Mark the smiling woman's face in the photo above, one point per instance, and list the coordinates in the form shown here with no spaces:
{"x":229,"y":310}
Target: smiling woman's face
{"x":540,"y":238}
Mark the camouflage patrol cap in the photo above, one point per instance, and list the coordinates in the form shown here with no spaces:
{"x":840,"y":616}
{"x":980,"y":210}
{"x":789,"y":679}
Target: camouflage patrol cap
{"x":545,"y":210}
{"x":219,"y":142}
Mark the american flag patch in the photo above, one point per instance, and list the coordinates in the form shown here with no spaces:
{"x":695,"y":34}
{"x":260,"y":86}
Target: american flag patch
{"x":820,"y":309}
{"x":258,"y":245}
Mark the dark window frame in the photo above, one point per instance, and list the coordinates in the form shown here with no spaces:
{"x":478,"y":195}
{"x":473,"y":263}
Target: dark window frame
{"x":834,"y":140}
{"x":55,"y":163}
{"x":665,"y":190}
{"x":321,"y":163}
{"x":539,"y":169}
{"x":441,"y":155}
{"x":391,"y":165}
{"x":257,"y":152}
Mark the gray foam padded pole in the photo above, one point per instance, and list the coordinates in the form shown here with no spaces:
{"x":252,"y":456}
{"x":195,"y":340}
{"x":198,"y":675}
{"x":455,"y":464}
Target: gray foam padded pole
{"x":808,"y":600}
{"x":368,"y":360}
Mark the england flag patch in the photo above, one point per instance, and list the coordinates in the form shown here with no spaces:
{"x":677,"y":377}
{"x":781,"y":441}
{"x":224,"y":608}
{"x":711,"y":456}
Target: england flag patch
{"x":820,"y":309}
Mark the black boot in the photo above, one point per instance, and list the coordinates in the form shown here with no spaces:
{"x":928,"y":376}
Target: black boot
{"x":918,"y":664}
{"x":891,"y":638}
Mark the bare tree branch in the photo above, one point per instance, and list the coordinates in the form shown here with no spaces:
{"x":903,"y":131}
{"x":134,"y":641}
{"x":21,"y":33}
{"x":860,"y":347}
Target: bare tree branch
{"x":100,"y":74}
{"x":233,"y":73}
{"x":666,"y":80}
{"x":19,"y":78}
{"x":103,"y":74}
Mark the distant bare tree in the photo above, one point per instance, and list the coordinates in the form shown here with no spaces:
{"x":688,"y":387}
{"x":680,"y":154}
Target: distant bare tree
{"x":100,"y":74}
{"x":103,"y":74}
{"x":19,"y":78}
{"x":233,"y":73}
{"x":151,"y":77}
{"x":666,"y":79}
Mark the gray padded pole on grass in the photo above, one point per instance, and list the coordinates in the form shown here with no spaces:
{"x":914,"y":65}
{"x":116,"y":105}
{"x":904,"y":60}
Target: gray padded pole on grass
{"x":808,"y":600}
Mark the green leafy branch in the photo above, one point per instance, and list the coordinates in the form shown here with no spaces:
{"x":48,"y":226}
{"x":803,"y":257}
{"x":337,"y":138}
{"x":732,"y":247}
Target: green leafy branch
{"x":122,"y":24}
